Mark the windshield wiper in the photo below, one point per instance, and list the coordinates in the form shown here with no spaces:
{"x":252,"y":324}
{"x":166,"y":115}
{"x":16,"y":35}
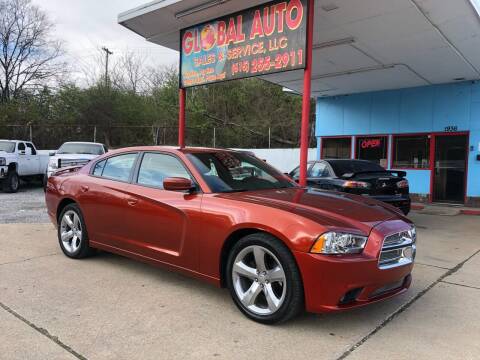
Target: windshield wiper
{"x":234,"y":190}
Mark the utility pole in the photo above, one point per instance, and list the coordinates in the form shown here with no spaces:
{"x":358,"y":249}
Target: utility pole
{"x":107,"y":54}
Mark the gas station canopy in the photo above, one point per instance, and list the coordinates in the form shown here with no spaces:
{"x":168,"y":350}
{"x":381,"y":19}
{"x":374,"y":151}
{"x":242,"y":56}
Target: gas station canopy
{"x":358,"y":46}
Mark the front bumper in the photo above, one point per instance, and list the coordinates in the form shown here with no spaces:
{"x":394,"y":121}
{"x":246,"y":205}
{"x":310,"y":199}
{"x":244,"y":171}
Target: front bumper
{"x":341,"y":282}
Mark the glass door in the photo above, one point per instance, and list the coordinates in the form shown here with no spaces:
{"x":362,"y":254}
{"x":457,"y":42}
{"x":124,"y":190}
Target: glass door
{"x":450,"y":168}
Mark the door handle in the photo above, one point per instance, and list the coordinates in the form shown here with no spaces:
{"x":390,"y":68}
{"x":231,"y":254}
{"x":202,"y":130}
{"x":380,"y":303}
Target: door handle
{"x":132,"y":201}
{"x":84,"y":188}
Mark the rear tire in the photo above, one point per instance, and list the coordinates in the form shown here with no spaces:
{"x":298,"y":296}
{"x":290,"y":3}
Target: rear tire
{"x":264,"y":280}
{"x":12,"y":183}
{"x":72,"y":233}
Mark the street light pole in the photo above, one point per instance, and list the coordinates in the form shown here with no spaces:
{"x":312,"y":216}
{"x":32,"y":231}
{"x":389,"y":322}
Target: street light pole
{"x":107,"y":54}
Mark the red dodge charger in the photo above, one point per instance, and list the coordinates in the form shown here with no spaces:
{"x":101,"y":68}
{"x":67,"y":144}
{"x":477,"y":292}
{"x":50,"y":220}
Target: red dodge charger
{"x":229,"y":218}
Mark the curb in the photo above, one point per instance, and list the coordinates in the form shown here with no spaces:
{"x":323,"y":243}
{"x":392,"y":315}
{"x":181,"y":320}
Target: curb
{"x":470,"y":212}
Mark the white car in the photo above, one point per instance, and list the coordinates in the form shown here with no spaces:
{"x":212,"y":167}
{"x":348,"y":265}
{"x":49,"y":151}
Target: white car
{"x":20,"y":160}
{"x":74,"y":153}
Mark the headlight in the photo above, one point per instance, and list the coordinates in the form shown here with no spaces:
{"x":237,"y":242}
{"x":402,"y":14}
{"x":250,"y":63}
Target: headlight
{"x":339,"y":243}
{"x":413,"y":233}
{"x":53,"y":164}
{"x":3,"y":161}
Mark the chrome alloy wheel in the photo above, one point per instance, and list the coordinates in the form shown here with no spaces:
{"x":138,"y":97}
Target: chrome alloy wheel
{"x":71,"y":231}
{"x":259,"y":280}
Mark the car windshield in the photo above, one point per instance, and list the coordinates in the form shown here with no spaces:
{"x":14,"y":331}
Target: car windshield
{"x":79,"y":148}
{"x":229,"y":171}
{"x":341,"y":167}
{"x":7,"y":146}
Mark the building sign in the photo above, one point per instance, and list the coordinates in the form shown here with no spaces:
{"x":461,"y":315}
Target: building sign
{"x":261,"y":40}
{"x":371,"y":143}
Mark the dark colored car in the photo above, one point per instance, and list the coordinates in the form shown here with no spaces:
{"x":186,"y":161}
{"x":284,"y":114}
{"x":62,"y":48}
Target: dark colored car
{"x":230,"y":219}
{"x":359,"y":177}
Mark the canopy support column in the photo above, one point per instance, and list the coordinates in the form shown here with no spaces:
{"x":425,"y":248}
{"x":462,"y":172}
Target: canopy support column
{"x":181,"y":117}
{"x":307,"y":81}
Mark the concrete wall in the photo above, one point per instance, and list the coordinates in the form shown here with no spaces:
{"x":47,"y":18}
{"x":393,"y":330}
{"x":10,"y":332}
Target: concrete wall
{"x":284,"y":160}
{"x":413,"y":110}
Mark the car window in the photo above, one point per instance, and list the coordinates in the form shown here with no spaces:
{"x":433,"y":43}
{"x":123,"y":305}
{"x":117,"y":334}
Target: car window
{"x":319,"y":169}
{"x":156,"y":167}
{"x":98,"y":168}
{"x":29,"y":145}
{"x":81,"y":148}
{"x":230,"y":171}
{"x":295,"y":173}
{"x":21,"y":147}
{"x":119,"y":167}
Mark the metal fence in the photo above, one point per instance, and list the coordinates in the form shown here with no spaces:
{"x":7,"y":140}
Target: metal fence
{"x":52,"y":136}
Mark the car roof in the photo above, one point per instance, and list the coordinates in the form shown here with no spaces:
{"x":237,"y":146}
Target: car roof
{"x":174,"y":149}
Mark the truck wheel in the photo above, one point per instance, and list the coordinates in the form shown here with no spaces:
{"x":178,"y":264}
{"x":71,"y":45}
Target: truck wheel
{"x":11,"y":183}
{"x":264,"y":280}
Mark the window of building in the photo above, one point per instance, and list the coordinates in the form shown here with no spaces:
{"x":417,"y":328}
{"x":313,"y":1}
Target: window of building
{"x":372,"y":148}
{"x":411,"y":152}
{"x":336,"y":148}
{"x":156,"y":167}
{"x":119,"y":167}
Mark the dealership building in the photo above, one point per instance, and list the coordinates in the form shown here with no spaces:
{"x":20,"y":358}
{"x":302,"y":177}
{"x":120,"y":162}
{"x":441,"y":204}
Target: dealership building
{"x":395,"y":81}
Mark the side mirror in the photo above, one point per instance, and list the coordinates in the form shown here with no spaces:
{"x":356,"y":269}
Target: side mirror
{"x":21,"y":152}
{"x":52,"y":153}
{"x":178,"y":184}
{"x":288,"y":175}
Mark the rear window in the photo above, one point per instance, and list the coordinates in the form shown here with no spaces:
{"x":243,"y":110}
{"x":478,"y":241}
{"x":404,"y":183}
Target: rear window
{"x":353,"y":166}
{"x":81,"y":148}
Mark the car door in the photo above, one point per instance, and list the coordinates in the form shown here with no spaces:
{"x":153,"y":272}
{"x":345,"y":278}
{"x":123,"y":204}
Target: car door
{"x":23,"y":163}
{"x":33,"y":159}
{"x":103,"y":196}
{"x":163,"y":225}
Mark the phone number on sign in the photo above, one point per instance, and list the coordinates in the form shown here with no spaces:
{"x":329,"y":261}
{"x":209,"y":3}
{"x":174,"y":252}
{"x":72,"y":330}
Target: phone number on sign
{"x":280,"y":61}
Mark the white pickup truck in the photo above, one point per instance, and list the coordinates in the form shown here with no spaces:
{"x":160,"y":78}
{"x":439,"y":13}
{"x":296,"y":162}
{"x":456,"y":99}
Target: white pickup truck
{"x":20,"y":160}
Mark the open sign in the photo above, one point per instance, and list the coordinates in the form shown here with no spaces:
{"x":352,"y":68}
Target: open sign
{"x":371,"y":143}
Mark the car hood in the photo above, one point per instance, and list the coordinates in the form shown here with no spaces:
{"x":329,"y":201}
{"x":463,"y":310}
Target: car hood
{"x":331,"y":209}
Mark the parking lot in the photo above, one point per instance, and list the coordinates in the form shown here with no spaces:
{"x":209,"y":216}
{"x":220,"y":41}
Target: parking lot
{"x":110,"y":307}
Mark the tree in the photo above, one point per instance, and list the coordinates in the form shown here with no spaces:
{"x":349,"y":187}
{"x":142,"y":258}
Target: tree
{"x":29,"y":58}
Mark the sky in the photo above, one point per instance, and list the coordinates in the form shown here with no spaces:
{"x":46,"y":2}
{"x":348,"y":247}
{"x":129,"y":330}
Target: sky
{"x":85,"y":26}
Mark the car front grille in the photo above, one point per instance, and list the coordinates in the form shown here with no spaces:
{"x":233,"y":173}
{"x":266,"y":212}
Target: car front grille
{"x":398,"y":249}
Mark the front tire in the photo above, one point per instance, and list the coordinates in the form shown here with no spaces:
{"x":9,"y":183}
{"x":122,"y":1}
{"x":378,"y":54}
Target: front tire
{"x":72,"y":233}
{"x":264,"y":280}
{"x":12,"y":183}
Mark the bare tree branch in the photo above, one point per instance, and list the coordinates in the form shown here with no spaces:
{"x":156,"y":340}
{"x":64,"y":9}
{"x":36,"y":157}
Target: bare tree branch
{"x":29,"y":57}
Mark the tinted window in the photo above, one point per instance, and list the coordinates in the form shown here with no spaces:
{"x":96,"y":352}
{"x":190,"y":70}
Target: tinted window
{"x":229,"y":171}
{"x":411,"y":152}
{"x":81,"y":148}
{"x":98,"y":169}
{"x":319,"y":169}
{"x":295,"y":173}
{"x":21,"y":146}
{"x":341,"y":167}
{"x":156,"y":167}
{"x":373,"y":149}
{"x":336,"y":148}
{"x":119,"y":167}
{"x":31,"y":148}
